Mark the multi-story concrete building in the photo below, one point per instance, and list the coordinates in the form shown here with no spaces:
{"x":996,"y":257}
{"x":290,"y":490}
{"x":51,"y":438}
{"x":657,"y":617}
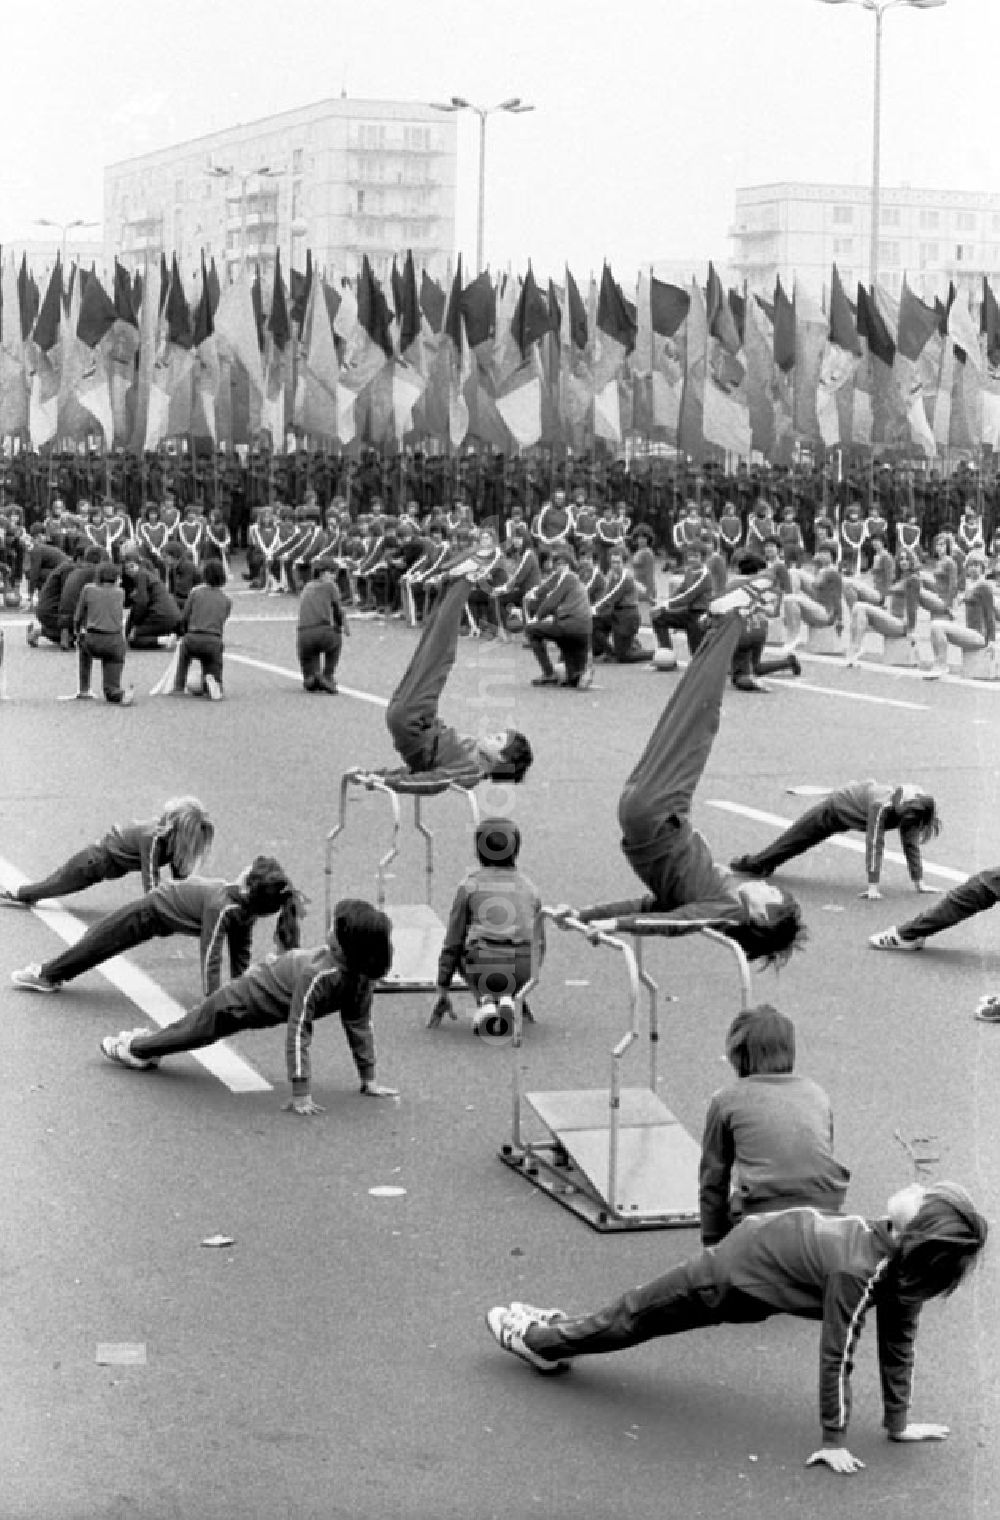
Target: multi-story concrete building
{"x":343,"y":177}
{"x":931,"y":236}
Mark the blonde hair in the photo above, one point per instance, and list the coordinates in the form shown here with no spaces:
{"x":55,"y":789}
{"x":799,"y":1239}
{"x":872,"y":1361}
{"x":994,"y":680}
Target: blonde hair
{"x":190,"y":833}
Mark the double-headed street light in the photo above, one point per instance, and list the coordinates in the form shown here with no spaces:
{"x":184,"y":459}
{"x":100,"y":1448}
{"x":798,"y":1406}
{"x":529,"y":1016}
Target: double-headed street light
{"x":878,"y":8}
{"x":515,"y":107}
{"x":63,"y":228}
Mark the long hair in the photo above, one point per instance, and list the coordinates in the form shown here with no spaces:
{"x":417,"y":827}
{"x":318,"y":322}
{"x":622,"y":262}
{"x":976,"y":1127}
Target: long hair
{"x":267,"y":890}
{"x":772,"y":942}
{"x":918,"y":812}
{"x":189,"y":833}
{"x":940,"y":1245}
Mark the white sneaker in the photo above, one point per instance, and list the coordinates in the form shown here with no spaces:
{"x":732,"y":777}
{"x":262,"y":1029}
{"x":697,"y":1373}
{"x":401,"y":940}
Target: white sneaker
{"x":213,"y":688}
{"x":508,"y":1327}
{"x":118,"y":1048}
{"x":889,"y":940}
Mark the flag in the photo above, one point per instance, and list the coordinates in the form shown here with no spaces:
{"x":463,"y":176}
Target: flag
{"x":301,"y":291}
{"x":810,"y":342}
{"x":784,"y":329}
{"x":236,"y":331}
{"x":962,"y":331}
{"x":530,"y":321}
{"x":278,"y":331}
{"x":668,"y":307}
{"x":520,"y":404}
{"x":460,"y":367}
{"x":691,"y":435}
{"x":917,"y":324}
{"x":615,"y":332}
{"x":373,"y":308}
{"x":14,"y":389}
{"x":989,"y":323}
{"x":872,"y":327}
{"x":316,"y":382}
{"x":843,"y":331}
{"x":27,"y":299}
{"x":575,"y":378}
{"x":760,"y":377}
{"x":725,"y":414}
{"x":408,"y":306}
{"x":575,"y":315}
{"x":43,"y":365}
{"x":97,"y":313}
{"x":125,"y":306}
{"x":721,"y":324}
{"x":207,"y":373}
{"x":478,"y":307}
{"x":432,"y":302}
{"x":507,"y":354}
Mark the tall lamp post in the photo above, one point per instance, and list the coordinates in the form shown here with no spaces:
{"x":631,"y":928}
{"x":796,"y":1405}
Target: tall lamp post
{"x":515,"y":107}
{"x":878,"y":9}
{"x":63,"y":228}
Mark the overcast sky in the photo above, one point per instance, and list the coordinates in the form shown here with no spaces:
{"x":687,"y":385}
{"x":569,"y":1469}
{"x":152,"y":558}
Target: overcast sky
{"x":647,"y":115}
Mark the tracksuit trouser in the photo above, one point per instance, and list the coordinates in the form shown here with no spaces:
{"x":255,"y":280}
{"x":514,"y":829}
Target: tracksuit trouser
{"x":113,"y":935}
{"x":976,"y":895}
{"x":412,"y":714}
{"x":686,"y":1298}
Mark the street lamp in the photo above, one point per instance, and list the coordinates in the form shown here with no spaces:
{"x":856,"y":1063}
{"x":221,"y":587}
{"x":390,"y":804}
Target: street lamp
{"x":878,"y":7}
{"x":229,"y":171}
{"x":64,"y":228}
{"x":515,"y":107}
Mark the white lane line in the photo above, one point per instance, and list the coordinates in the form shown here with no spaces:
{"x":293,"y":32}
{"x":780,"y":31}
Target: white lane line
{"x":852,"y":696}
{"x":219,"y":1059}
{"x":841,"y":841}
{"x":296,"y":675}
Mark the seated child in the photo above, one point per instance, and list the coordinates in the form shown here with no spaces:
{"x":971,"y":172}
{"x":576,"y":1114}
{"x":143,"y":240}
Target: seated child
{"x":494,"y":937}
{"x":768,"y":1139}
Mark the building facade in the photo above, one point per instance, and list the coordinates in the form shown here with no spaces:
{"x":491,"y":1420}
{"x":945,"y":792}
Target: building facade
{"x":801,"y":231}
{"x":343,"y":178}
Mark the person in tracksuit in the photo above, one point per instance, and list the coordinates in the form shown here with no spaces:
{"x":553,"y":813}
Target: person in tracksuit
{"x":800,"y":1262}
{"x":617,"y":618}
{"x":562,"y":617}
{"x":685,"y":890}
{"x":295,"y":988}
{"x":215,"y":912}
{"x":868,"y":807}
{"x":977,"y":894}
{"x":433,"y":753}
{"x":180,"y":838}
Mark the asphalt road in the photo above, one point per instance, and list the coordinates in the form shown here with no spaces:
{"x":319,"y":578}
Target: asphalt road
{"x":333,"y":1361}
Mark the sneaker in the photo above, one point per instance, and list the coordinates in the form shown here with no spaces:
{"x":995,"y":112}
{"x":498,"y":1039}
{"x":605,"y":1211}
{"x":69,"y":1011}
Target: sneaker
{"x":526,"y":1013}
{"x":328,"y":684}
{"x":118,"y":1048}
{"x":852,"y":659}
{"x":794,"y":664}
{"x":542,"y":1316}
{"x":31,"y":635}
{"x":545,"y":681}
{"x":170,"y":642}
{"x":508,"y":1327}
{"x":988,"y":1009}
{"x":11,"y":900}
{"x":587,"y":679}
{"x":484,"y":1020}
{"x":128,"y":697}
{"x":747,"y":866}
{"x":889,"y":940}
{"x":30,"y":979}
{"x":213,"y":689}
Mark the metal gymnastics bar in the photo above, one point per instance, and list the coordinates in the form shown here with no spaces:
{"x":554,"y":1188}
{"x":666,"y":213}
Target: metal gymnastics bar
{"x":417,"y":930}
{"x":617,"y":1157}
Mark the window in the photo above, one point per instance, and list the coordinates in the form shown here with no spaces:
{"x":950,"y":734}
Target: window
{"x":928,"y":253}
{"x":361,"y":200}
{"x":297,"y":161}
{"x":888,"y":252}
{"x":843,"y":248}
{"x":843,"y":215}
{"x":963,"y":253}
{"x":891,"y":216}
{"x":178,"y":189}
{"x":929,"y":220}
{"x":965,"y":221}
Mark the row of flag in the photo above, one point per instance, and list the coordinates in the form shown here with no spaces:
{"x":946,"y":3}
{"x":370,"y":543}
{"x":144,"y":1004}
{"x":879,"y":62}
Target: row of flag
{"x":507,"y":363}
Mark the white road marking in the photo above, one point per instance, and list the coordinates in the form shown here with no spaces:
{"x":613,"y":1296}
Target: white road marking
{"x":852,"y":696}
{"x":296,"y":675}
{"x":219,"y":1059}
{"x":841,"y":841}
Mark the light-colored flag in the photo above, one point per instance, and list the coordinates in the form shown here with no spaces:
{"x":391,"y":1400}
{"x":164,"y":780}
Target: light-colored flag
{"x":319,"y":369}
{"x":810,"y":342}
{"x":520,"y":406}
{"x":962,"y":331}
{"x":236,"y":330}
